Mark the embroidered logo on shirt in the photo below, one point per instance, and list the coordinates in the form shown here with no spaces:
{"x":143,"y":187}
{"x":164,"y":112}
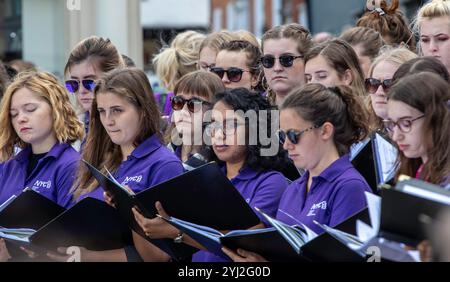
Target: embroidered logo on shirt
{"x":322,"y":205}
{"x":137,"y":179}
{"x":42,"y":184}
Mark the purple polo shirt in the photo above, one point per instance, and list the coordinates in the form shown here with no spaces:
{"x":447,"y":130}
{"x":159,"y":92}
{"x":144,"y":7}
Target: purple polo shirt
{"x":336,"y":194}
{"x":52,"y":177}
{"x":149,"y":164}
{"x":259,"y":189}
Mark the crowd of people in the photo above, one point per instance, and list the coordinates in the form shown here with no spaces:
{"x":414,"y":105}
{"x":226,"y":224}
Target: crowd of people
{"x":327,"y":96}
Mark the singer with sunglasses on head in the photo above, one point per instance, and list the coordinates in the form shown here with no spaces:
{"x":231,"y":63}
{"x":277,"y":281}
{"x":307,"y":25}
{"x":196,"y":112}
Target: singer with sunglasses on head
{"x":251,"y":171}
{"x":380,"y":79}
{"x":418,"y":120}
{"x":194,"y":94}
{"x":283,"y":50}
{"x":317,"y":127}
{"x":237,"y":64}
{"x":87,"y":62}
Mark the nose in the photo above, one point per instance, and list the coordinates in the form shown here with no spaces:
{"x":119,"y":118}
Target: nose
{"x":277,"y":67}
{"x":22,"y":118}
{"x":287,"y":145}
{"x":380,"y":91}
{"x":225,"y":79}
{"x":433,"y":47}
{"x":397,"y":135}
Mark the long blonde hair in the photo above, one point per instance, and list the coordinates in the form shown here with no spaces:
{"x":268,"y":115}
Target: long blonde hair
{"x":66,"y":126}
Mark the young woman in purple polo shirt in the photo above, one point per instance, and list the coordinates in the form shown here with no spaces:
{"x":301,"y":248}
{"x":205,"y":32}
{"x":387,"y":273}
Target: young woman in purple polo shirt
{"x":317,"y":127}
{"x":250,"y":167}
{"x":194,"y":94}
{"x":88,"y":60}
{"x":125,"y":138}
{"x":37,"y":117}
{"x":419,"y":122}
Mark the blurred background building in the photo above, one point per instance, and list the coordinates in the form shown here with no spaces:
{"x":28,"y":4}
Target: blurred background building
{"x":44,"y":31}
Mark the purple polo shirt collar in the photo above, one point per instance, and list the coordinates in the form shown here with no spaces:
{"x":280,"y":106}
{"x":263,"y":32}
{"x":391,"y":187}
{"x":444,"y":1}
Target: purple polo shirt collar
{"x":333,"y":171}
{"x":147,"y":147}
{"x":55,"y":152}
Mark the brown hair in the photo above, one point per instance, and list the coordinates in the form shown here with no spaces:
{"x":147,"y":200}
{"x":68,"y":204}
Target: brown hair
{"x":293,"y":31}
{"x":422,"y":64}
{"x":132,"y":85}
{"x":100,"y":51}
{"x":428,"y":93}
{"x":66,"y":126}
{"x":370,"y":40}
{"x":340,"y":105}
{"x":253,"y":54}
{"x":341,"y":57}
{"x":392,"y":25}
{"x":199,"y":83}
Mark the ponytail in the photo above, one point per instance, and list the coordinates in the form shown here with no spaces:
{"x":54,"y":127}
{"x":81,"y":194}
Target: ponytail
{"x":340,"y":106}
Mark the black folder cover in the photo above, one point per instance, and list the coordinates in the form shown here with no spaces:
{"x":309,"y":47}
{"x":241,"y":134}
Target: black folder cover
{"x":29,"y":210}
{"x":203,"y":196}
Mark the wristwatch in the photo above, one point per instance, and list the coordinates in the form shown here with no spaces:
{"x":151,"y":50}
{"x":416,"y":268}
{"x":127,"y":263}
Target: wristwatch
{"x":179,"y":238}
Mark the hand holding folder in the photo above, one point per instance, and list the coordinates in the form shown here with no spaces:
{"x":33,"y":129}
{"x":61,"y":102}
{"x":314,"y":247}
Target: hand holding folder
{"x":204,"y":196}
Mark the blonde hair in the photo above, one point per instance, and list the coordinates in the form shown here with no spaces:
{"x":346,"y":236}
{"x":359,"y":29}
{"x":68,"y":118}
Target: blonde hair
{"x":433,"y":9}
{"x":216,"y":39}
{"x":247,"y":36}
{"x":397,"y":56}
{"x":66,"y":126}
{"x":179,"y":59}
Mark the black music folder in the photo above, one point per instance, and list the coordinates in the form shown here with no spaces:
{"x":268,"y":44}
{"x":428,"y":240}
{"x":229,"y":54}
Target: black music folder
{"x":375,"y":160}
{"x":90,"y":223}
{"x":28,"y":210}
{"x":204,"y":196}
{"x":406,"y":208}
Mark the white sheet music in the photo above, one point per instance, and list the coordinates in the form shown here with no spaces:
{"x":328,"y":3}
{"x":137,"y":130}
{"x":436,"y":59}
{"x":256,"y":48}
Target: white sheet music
{"x":387,"y":156}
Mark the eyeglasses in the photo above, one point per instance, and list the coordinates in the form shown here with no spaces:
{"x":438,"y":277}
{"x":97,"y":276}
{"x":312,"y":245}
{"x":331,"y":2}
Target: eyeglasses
{"x":293,"y":135}
{"x":73,"y":85}
{"x":403,"y":124}
{"x":286,"y":61}
{"x":233,"y":74}
{"x":205,"y":66}
{"x":228,"y":128}
{"x":193,"y":104}
{"x":372,"y":84}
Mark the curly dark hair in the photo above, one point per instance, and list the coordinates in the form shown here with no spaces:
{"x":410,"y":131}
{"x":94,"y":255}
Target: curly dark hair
{"x":242,"y":99}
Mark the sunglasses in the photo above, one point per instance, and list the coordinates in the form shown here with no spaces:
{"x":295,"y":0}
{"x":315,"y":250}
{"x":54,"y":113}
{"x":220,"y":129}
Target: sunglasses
{"x":193,"y":104}
{"x":286,"y":61}
{"x":233,"y":74}
{"x":373,"y":84}
{"x":73,"y":85}
{"x":293,"y":135}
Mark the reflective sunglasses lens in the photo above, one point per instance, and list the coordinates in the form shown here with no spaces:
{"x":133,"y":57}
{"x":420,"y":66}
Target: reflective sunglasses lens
{"x":234,"y":75}
{"x":287,"y":61}
{"x":268,"y":61}
{"x":72,"y":86}
{"x":88,"y":84}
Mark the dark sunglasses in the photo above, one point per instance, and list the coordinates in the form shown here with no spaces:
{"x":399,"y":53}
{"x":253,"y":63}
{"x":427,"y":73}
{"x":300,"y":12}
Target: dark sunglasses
{"x":73,"y":85}
{"x":293,"y":135}
{"x":286,"y":61}
{"x":233,"y":74}
{"x":372,"y":84}
{"x":193,"y":104}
